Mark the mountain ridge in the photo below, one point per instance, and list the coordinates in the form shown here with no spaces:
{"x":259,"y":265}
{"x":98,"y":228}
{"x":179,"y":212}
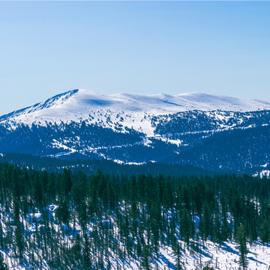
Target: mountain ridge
{"x":158,"y":103}
{"x":136,"y":129}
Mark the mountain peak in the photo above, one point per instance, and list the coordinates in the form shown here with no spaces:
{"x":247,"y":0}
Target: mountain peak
{"x":80,"y":104}
{"x":50,"y":102}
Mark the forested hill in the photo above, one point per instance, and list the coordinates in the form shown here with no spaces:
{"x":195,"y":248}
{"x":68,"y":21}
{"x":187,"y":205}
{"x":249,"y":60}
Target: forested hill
{"x":74,"y":221}
{"x":90,"y":167}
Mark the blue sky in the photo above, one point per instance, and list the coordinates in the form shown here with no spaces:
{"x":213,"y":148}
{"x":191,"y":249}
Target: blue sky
{"x":136,"y":47}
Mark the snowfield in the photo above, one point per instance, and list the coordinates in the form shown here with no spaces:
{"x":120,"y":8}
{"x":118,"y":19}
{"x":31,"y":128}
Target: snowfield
{"x":126,"y":110}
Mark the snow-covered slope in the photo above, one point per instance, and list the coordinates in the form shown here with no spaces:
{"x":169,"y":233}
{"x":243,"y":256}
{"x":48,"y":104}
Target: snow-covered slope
{"x":78,"y":103}
{"x":132,"y":111}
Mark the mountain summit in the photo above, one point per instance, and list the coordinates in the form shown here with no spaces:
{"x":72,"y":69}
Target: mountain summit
{"x":78,"y":104}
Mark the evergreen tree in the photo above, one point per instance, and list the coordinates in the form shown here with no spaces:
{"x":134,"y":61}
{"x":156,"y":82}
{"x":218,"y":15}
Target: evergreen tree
{"x":3,"y":266}
{"x":241,"y":238}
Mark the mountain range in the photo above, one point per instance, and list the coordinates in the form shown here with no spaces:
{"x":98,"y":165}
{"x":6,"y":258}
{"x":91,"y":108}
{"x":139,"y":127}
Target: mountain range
{"x":213,"y":133}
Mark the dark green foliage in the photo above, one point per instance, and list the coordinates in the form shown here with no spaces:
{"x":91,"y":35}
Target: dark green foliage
{"x":133,"y":216}
{"x":208,"y":268}
{"x":62,"y":212}
{"x":241,"y":239}
{"x":3,"y":266}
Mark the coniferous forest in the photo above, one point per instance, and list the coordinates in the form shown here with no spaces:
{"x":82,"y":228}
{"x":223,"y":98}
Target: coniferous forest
{"x":74,"y":221}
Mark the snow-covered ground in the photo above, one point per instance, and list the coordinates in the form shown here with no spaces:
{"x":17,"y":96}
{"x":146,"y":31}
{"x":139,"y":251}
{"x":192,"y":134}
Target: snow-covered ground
{"x":225,"y":256}
{"x":221,"y":257}
{"x":263,"y":173}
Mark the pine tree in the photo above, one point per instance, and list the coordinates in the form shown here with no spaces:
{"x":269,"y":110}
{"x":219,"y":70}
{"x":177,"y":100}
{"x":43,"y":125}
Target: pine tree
{"x":67,"y":182}
{"x":63,"y":212}
{"x":3,"y":266}
{"x":265,"y":231}
{"x":241,"y":239}
{"x":186,"y":225}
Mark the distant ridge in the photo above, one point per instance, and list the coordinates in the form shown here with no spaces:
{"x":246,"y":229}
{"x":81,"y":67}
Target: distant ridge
{"x":81,"y":101}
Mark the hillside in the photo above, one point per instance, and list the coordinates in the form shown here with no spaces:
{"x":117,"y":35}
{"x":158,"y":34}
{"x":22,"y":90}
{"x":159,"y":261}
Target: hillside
{"x":214,"y":133}
{"x":74,"y":221}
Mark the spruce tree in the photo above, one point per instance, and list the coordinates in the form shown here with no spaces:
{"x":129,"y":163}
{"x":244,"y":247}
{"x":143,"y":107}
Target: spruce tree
{"x":241,"y":239}
{"x":3,"y":265}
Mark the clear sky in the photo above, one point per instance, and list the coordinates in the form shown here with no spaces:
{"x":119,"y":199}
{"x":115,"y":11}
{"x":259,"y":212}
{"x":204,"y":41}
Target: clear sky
{"x":136,"y":47}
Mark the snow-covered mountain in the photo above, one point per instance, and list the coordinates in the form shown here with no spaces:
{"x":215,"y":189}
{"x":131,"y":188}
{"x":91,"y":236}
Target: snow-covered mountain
{"x":136,"y":129}
{"x":77,"y":105}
